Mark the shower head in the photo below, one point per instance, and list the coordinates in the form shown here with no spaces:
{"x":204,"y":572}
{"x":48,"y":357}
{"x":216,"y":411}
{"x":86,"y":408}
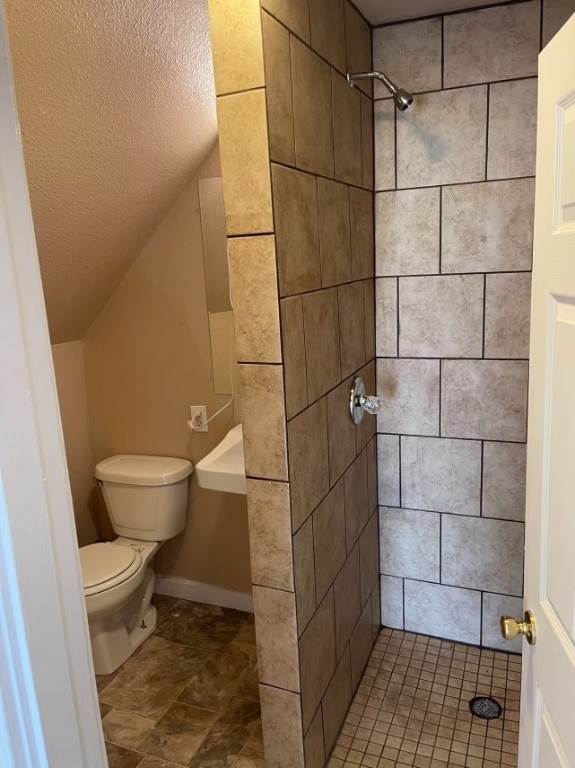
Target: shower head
{"x":401,"y":98}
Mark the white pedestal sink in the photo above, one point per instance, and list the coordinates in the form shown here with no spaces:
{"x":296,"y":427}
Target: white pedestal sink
{"x":224,"y":469}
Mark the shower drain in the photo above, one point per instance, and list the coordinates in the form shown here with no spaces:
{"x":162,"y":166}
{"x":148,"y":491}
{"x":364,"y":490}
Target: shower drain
{"x":485,"y":707}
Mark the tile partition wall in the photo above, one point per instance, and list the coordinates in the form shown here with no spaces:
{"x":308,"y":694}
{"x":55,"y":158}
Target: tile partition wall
{"x":297,"y":159}
{"x":454,"y":217}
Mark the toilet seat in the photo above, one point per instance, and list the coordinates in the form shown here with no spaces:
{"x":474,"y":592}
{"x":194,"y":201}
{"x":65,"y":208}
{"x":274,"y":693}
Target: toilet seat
{"x":105,"y":565}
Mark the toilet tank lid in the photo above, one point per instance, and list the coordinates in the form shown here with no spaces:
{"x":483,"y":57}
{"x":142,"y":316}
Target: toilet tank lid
{"x":133,"y":469}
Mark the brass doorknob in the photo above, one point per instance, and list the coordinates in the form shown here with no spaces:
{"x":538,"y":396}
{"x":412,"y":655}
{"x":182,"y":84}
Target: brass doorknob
{"x":512,"y":628}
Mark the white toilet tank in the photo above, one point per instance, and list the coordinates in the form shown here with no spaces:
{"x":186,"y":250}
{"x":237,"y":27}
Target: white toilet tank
{"x":146,"y":496}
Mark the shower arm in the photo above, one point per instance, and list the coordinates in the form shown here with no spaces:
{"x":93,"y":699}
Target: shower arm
{"x":389,"y":84}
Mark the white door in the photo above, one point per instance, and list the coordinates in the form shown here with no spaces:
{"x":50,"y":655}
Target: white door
{"x":547,"y":733}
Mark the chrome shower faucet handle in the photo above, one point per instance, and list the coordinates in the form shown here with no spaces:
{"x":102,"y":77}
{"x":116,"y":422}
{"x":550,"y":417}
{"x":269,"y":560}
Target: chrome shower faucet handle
{"x":359,"y":402}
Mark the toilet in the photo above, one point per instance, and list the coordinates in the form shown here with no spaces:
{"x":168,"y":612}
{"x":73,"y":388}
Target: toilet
{"x":147,"y":500}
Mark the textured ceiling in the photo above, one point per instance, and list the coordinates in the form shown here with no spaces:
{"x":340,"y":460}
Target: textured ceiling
{"x":385,"y":11}
{"x":117,"y":110}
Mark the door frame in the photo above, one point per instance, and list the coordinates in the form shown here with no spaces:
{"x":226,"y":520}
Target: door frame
{"x":49,"y":713}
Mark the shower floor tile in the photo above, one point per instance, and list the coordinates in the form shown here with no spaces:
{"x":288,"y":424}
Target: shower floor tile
{"x":412,"y":707}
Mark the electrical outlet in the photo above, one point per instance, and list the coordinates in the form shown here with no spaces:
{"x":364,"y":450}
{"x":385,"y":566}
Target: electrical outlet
{"x":199,"y":417}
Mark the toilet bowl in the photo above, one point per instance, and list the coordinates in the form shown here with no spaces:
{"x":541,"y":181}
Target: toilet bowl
{"x":146,"y":498}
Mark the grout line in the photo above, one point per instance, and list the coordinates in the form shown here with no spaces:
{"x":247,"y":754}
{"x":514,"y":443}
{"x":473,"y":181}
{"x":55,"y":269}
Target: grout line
{"x":484,"y":316}
{"x":481,"y":465}
{"x":453,"y":437}
{"x":487,"y":110}
{"x":423,"y":186}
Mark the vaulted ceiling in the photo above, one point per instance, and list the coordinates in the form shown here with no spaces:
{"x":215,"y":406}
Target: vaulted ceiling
{"x":117,"y":110}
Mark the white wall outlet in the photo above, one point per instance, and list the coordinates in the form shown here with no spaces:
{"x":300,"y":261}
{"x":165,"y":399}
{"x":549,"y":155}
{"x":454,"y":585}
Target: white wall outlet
{"x":199,"y":417}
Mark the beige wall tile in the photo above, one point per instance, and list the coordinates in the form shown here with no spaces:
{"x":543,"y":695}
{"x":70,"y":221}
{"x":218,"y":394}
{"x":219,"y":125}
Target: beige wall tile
{"x":357,"y":44}
{"x":309,"y":470}
{"x":270,"y":534}
{"x":317,"y":658}
{"x":313,"y":743}
{"x":236,"y":45}
{"x":484,"y":554}
{"x":371,"y":456}
{"x":369,"y":315}
{"x":329,"y":539}
{"x":491,"y":44}
{"x":276,"y":635}
{"x":341,"y":431}
{"x":351,"y":327}
{"x":264,"y":421}
{"x":362,"y":229}
{"x":369,"y":557}
{"x":347,"y":598}
{"x":278,"y":90}
{"x":488,"y":227}
{"x":297,"y":240}
{"x":322,"y":343}
{"x":441,"y":139}
{"x":392,"y":602}
{"x":407,"y":232}
{"x":366,"y":430}
{"x":500,"y":386}
{"x":384,"y":144}
{"x":410,"y":54}
{"x":409,"y":543}
{"x":327,"y":31}
{"x":555,"y":14}
{"x":512,"y":129}
{"x":410,"y":392}
{"x":388,"y":461}
{"x":504,"y":480}
{"x":356,"y":503}
{"x":495,"y":606}
{"x":347,"y":130}
{"x":304,"y":574}
{"x":283,"y":735}
{"x":334,"y":232}
{"x":294,"y":355}
{"x":337,"y":700}
{"x":507,"y":315}
{"x":293,"y":13}
{"x":376,"y":611}
{"x":313,"y":127}
{"x":243,"y":134}
{"x":367,"y":158}
{"x":360,"y":644}
{"x":253,"y":280}
{"x":386,"y":316}
{"x":441,"y":611}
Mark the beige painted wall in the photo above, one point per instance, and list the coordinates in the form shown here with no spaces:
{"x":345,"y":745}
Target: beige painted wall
{"x":69,"y":369}
{"x":147,"y":359}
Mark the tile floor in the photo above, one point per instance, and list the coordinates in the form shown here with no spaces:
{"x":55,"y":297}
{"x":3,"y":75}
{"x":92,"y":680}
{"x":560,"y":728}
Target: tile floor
{"x":189,"y":696}
{"x":412,"y":707}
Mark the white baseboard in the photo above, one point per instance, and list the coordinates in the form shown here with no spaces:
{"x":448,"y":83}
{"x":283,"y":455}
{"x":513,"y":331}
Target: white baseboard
{"x":204,"y":593}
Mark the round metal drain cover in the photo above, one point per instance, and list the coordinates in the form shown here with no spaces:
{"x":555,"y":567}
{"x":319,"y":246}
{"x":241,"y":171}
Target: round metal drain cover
{"x":485,"y":707}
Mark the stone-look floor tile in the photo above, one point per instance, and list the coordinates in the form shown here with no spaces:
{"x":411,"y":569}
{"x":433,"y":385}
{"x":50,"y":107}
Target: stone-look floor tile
{"x":304,"y":570}
{"x":341,"y":431}
{"x":314,"y":750}
{"x":276,"y":633}
{"x":507,"y":315}
{"x":155,"y":762}
{"x":441,"y":316}
{"x":410,"y":392}
{"x":250,"y":758}
{"x":392,"y":602}
{"x":322,"y":341}
{"x":297,"y":238}
{"x":104,"y":709}
{"x":555,"y":14}
{"x":484,"y":399}
{"x":351,"y":327}
{"x":369,"y":317}
{"x":358,"y":45}
{"x":386,"y":316}
{"x":356,"y":500}
{"x":245,"y":162}
{"x":346,"y":129}
{"x":362,"y":233}
{"x":294,"y":15}
{"x":214,"y":682}
{"x":248,"y":687}
{"x":179,"y":734}
{"x":367,"y":429}
{"x":278,"y":90}
{"x":327,"y":31}
{"x":126,"y":729}
{"x":334,"y":232}
{"x":317,"y":658}
{"x":384,"y":144}
{"x":488,"y":227}
{"x":236,"y":724}
{"x":443,"y":611}
{"x":309,"y":465}
{"x":495,"y":606}
{"x":388,"y":469}
{"x":329,"y":539}
{"x":504,"y":480}
{"x":216,"y":755}
{"x":369,"y":557}
{"x":347,"y":598}
{"x":118,"y":757}
{"x":511,"y":145}
{"x":237,"y":47}
{"x":409,"y":543}
{"x":360,"y":644}
{"x":407,"y":232}
{"x":270,"y":534}
{"x":441,"y":139}
{"x":491,"y":44}
{"x":367,"y":158}
{"x":283,"y":736}
{"x":312,"y":110}
{"x":412,"y":51}
{"x":207,"y":627}
{"x":480,"y":553}
{"x":295,"y":372}
{"x":441,"y":475}
{"x":337,"y":700}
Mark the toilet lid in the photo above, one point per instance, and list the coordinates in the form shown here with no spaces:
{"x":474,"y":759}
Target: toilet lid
{"x":104,"y":562}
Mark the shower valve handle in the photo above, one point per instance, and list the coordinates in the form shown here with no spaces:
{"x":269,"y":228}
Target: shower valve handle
{"x":369,"y":403}
{"x":360,"y":403}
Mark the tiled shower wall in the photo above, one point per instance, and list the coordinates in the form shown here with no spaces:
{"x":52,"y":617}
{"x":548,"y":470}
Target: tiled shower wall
{"x":454,"y":219}
{"x":297,"y":159}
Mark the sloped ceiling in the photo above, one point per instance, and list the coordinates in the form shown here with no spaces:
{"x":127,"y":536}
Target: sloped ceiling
{"x":117,"y":110}
{"x":386,"y":11}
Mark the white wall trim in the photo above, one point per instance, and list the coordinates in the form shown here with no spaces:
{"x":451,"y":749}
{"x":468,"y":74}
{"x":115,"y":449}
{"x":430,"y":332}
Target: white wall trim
{"x":204,"y":593}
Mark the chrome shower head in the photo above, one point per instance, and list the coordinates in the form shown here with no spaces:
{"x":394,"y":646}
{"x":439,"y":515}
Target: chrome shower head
{"x":402,"y":98}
